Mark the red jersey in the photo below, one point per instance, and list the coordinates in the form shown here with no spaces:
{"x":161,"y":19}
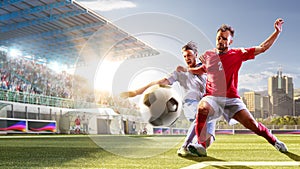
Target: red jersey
{"x":224,"y":66}
{"x":77,"y":121}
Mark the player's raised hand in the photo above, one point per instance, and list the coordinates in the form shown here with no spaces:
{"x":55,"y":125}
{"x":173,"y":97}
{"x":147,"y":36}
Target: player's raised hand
{"x":128,"y":94}
{"x":278,"y":24}
{"x":181,"y":69}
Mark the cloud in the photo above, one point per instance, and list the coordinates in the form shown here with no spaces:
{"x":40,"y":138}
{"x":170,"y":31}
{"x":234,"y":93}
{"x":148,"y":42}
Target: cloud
{"x":259,"y":81}
{"x":108,"y":5}
{"x":255,"y":81}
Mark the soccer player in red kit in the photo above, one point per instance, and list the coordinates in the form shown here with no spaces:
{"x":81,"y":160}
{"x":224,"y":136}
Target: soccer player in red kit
{"x":222,"y":65}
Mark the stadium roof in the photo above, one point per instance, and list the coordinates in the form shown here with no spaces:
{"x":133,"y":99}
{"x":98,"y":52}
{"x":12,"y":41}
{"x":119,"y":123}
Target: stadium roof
{"x":58,"y":30}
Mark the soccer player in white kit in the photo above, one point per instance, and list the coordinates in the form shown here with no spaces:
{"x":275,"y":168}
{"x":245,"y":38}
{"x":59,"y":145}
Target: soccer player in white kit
{"x":221,"y":66}
{"x":194,"y":89}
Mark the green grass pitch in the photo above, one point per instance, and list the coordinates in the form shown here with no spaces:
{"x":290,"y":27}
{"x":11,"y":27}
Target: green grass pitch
{"x":82,"y":151}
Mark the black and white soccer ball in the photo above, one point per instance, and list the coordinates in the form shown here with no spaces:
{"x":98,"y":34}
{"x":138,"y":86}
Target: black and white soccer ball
{"x":160,"y":105}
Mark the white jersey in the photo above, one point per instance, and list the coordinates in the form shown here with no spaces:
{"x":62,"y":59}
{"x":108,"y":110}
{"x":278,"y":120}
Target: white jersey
{"x":194,"y":89}
{"x":193,"y":85}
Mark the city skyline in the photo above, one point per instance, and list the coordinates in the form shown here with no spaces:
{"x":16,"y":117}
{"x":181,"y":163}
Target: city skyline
{"x":279,"y":100}
{"x":265,"y":92}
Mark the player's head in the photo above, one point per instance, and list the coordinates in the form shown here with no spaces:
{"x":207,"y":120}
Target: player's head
{"x":224,"y":38}
{"x":190,"y":52}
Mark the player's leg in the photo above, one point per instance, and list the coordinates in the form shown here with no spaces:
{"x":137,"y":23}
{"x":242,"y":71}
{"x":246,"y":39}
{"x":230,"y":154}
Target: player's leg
{"x":247,"y":120}
{"x":183,"y":150}
{"x":210,"y":129}
{"x":190,"y":108}
{"x":204,"y":109}
{"x":203,"y":128}
{"x":200,"y":149}
{"x":190,"y":135}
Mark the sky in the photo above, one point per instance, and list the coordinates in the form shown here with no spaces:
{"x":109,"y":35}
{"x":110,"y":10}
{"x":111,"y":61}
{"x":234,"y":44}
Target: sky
{"x":252,"y":20}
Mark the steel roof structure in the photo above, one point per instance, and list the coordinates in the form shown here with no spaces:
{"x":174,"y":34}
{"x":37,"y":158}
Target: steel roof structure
{"x":58,"y":29}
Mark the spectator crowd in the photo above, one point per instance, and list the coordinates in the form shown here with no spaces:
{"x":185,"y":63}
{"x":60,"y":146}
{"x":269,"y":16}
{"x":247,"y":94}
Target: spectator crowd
{"x":28,"y":76}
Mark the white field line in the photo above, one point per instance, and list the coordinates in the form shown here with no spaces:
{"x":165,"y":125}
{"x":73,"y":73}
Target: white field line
{"x":242,"y":163}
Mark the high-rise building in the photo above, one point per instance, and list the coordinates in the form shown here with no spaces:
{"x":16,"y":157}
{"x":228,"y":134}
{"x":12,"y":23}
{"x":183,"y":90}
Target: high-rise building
{"x":253,"y":102}
{"x":297,"y":107}
{"x":265,"y":106}
{"x":281,"y":92}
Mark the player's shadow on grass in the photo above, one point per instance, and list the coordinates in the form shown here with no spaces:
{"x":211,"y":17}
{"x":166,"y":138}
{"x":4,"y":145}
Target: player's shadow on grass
{"x":203,"y":159}
{"x":293,"y":156}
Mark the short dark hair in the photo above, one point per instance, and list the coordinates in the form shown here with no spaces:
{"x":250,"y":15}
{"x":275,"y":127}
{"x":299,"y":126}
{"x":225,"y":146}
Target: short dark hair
{"x":191,"y":46}
{"x":225,"y":27}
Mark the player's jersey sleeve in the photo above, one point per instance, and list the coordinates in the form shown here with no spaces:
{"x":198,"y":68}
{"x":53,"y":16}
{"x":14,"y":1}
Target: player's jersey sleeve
{"x":173,"y":77}
{"x":202,"y":84}
{"x":203,"y":61}
{"x":247,"y":53}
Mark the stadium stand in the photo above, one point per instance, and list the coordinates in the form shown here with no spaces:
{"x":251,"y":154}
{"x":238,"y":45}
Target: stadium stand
{"x":57,"y":30}
{"x":45,"y":31}
{"x":53,"y":30}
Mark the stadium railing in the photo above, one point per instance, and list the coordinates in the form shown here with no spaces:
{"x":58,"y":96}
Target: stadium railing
{"x":38,"y":99}
{"x":275,"y":129}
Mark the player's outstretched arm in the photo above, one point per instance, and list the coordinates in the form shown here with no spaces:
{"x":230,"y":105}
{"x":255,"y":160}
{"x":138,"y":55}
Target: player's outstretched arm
{"x":194,"y":70}
{"x":271,"y":39}
{"x":197,"y":70}
{"x":139,"y":91}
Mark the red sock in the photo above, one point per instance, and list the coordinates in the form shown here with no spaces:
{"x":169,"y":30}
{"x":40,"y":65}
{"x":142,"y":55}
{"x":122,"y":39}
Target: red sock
{"x":264,"y":132}
{"x":200,"y":124}
{"x":203,"y":144}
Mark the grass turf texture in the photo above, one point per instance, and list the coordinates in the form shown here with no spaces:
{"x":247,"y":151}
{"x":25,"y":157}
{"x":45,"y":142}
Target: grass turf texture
{"x":55,"y":151}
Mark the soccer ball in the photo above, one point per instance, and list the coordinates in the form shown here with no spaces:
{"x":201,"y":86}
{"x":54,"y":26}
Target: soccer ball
{"x":160,"y":105}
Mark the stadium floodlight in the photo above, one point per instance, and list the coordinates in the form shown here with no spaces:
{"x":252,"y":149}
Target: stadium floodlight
{"x":13,"y":52}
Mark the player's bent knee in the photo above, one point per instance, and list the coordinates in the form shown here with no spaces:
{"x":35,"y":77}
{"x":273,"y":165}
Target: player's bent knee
{"x":203,"y":110}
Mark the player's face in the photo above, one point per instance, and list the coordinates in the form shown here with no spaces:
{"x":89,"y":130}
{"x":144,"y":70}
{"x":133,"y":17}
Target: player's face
{"x":189,"y":57}
{"x":223,"y":41}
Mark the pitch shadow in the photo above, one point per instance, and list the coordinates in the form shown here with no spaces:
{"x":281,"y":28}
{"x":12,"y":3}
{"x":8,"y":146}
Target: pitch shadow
{"x":208,"y":158}
{"x":293,"y":156}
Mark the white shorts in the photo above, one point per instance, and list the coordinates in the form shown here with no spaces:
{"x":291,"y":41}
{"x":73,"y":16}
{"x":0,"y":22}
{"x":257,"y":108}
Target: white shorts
{"x":227,"y":107}
{"x":77,"y":127}
{"x":190,"y":109}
